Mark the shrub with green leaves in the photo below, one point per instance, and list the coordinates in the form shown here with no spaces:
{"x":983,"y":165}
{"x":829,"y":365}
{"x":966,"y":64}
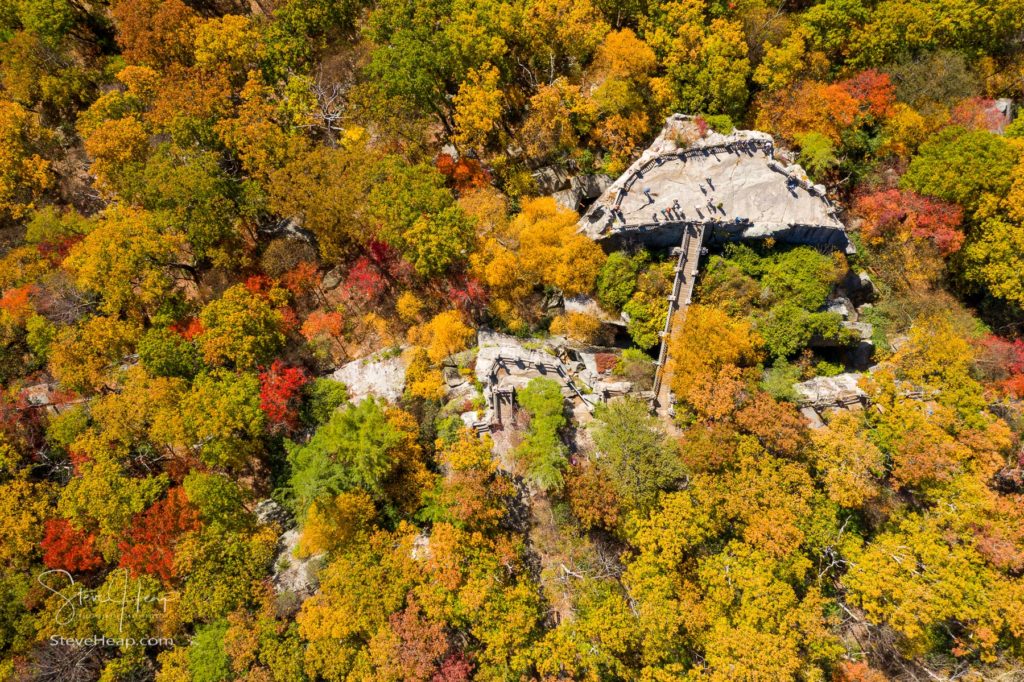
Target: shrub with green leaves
{"x":542,"y":449}
{"x":617,"y":280}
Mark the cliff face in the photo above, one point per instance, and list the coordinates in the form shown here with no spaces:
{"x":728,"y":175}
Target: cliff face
{"x":731,"y":184}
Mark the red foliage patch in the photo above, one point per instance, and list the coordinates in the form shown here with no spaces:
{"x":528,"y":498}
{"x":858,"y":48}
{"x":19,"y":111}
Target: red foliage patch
{"x":302,"y":278}
{"x":702,"y":125}
{"x":321,"y":324}
{"x":188,"y":329}
{"x":364,"y":282}
{"x":606,"y":362}
{"x":978,"y":113}
{"x":467,"y":293}
{"x":289,"y":320}
{"x":873,"y":90}
{"x":149,"y":547}
{"x":56,"y":252}
{"x":77,"y":460}
{"x":455,"y":668}
{"x":17,"y":302}
{"x":259,"y":284}
{"x":69,"y":549}
{"x":894,"y":213}
{"x":280,"y":388}
{"x":1001,"y":363}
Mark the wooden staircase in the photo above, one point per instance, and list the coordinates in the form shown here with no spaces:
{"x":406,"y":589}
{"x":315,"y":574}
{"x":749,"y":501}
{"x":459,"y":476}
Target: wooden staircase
{"x":682,"y":291}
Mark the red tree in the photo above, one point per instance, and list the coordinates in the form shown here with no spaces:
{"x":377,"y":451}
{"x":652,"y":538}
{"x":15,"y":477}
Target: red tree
{"x":149,"y":547}
{"x":259,"y":284}
{"x":464,"y":174}
{"x":57,"y":251}
{"x":467,"y":293}
{"x":899,"y":214}
{"x":280,"y":388}
{"x":301,"y":279}
{"x":365,"y":283}
{"x":873,"y":90}
{"x":188,"y":328}
{"x":1001,"y":363}
{"x":69,"y":549}
{"x":455,"y":668}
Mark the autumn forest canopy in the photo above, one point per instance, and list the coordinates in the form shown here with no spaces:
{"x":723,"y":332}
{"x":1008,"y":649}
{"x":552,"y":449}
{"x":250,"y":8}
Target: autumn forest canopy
{"x":226,"y":226}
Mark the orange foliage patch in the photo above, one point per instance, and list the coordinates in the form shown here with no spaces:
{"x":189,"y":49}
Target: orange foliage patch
{"x":17,"y":302}
{"x":464,"y":174}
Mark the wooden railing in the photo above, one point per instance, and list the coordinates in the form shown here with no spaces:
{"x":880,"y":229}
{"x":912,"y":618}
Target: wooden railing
{"x":685,"y":274}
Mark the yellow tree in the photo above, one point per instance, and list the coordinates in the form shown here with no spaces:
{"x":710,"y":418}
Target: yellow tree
{"x":258,"y":133}
{"x":117,"y":148}
{"x":24,"y":174}
{"x":88,"y":357}
{"x":541,"y":247}
{"x":241,"y":328}
{"x":333,"y":524}
{"x":707,"y":342}
{"x":478,"y":107}
{"x":850,"y":466}
{"x":230,"y":40}
{"x":23,"y":508}
{"x":557,"y":115}
{"x":447,"y":333}
{"x":129,"y":260}
{"x":551,"y":247}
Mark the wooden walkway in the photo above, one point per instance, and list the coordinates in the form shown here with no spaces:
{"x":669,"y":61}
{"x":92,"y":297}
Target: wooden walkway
{"x":688,"y":253}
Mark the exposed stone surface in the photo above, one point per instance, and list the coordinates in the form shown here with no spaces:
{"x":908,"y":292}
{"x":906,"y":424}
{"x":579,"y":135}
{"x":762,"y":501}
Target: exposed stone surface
{"x":297,"y":577}
{"x":814,"y":420}
{"x":582,"y":188}
{"x":863,"y":330}
{"x":858,"y":287}
{"x":292,"y":575}
{"x":842,"y":307}
{"x":590,"y":186}
{"x":270,"y":512}
{"x":551,"y":179}
{"x":588,"y":306}
{"x":840,"y":390}
{"x":568,"y":199}
{"x":1000,"y":114}
{"x":381,"y":375}
{"x":729,"y":182}
{"x":47,"y":396}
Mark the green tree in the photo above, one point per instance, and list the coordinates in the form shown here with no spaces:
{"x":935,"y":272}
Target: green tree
{"x":356,"y":448}
{"x":165,"y":353}
{"x":962,"y":166}
{"x":617,"y":280}
{"x":646,"y":319}
{"x":817,"y":154}
{"x":787,"y":328}
{"x":223,"y":418}
{"x":801,"y":276}
{"x":207,"y":660}
{"x":542,"y":449}
{"x":196,"y":195}
{"x":634,"y":453}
